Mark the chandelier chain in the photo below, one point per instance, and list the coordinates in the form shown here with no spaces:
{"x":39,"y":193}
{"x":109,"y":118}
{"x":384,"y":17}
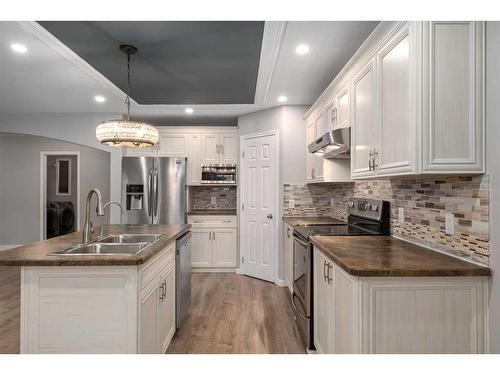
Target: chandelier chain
{"x":127,"y":100}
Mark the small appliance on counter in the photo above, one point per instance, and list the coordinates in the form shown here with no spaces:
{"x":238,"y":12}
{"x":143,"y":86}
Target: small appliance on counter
{"x":366,"y":217}
{"x":218,"y":174}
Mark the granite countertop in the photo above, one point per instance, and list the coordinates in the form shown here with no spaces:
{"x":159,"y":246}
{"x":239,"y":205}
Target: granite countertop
{"x":37,"y":254}
{"x":213,"y":211}
{"x":384,"y":256}
{"x":311,"y":220}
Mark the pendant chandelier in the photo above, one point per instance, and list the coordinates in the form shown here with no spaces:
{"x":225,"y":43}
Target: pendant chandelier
{"x":127,"y":133}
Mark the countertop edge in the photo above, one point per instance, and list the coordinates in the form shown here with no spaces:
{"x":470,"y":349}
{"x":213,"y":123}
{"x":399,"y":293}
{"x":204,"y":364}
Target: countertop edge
{"x":134,"y":260}
{"x":481,"y":271}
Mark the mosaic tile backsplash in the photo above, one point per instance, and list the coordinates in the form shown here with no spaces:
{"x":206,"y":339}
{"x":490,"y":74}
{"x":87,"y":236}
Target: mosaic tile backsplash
{"x":225,"y":197}
{"x":425,"y":200}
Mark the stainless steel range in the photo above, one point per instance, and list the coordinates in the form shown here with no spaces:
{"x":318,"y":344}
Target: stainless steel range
{"x":366,"y":217}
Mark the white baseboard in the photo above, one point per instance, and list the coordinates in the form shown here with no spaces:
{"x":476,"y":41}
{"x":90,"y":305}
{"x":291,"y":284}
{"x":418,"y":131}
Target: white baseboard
{"x":6,"y":247}
{"x":214,"y":270}
{"x":280,"y":282}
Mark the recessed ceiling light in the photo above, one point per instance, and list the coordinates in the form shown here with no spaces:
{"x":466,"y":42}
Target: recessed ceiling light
{"x":302,"y":49}
{"x":282,"y":99}
{"x":99,"y":99}
{"x":19,"y":48}
{"x":189,"y":110}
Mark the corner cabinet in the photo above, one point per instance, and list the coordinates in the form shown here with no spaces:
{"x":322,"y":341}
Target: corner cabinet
{"x":214,"y":243}
{"x":365,"y":315}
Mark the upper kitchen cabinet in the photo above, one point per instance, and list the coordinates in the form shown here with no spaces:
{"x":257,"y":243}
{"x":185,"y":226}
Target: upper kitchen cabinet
{"x":219,"y":148}
{"x":363,"y":121}
{"x":314,"y":163}
{"x":416,"y":100}
{"x":453,"y":111}
{"x":173,"y":145}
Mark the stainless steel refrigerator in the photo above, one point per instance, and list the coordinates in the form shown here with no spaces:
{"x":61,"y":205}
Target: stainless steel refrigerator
{"x":154,"y":190}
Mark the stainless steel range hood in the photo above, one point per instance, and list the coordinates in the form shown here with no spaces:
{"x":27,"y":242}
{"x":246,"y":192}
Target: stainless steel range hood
{"x":336,"y":144}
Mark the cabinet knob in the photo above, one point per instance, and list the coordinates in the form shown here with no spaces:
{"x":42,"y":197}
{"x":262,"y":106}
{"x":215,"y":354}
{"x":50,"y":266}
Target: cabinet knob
{"x":270,"y":216}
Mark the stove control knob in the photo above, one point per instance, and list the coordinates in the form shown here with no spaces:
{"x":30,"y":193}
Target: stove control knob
{"x":374,"y":207}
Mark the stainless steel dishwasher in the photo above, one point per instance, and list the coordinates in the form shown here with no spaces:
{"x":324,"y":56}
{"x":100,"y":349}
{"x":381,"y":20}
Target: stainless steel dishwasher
{"x":182,"y":277}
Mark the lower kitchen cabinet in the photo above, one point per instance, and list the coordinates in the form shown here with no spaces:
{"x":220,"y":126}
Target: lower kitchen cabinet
{"x":397,"y":314}
{"x":288,"y":255}
{"x":214,"y":242}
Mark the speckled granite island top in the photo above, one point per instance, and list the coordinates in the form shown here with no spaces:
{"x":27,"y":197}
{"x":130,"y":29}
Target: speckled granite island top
{"x":37,"y":254}
{"x":384,"y":256}
{"x":311,"y":220}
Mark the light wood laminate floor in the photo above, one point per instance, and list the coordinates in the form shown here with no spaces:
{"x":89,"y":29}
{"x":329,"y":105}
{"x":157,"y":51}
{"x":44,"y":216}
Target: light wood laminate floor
{"x":10,"y":300}
{"x":229,"y":314}
{"x":237,"y":314}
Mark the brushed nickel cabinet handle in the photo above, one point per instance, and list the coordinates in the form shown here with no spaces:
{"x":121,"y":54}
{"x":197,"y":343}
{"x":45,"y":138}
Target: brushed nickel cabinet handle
{"x":209,"y":235}
{"x":325,"y":276}
{"x":214,"y":235}
{"x":328,"y":275}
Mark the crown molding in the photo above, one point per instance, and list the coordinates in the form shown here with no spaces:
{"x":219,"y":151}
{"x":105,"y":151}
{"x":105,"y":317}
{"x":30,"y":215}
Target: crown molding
{"x":271,"y":46}
{"x":55,"y":44}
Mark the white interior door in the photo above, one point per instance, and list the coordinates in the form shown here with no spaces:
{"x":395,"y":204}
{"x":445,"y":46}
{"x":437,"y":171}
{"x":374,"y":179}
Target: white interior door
{"x":260,"y":192}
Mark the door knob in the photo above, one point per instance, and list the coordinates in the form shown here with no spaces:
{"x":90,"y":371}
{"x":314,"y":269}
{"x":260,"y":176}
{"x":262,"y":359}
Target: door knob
{"x":269,"y":216}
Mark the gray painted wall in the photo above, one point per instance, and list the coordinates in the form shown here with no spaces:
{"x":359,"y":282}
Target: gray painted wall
{"x":76,"y":128}
{"x":493,"y":169}
{"x":20,"y":183}
{"x":288,"y":120}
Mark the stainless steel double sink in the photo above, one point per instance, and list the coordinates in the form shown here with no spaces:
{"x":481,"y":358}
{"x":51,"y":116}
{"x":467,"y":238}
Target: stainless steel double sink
{"x":121,"y":244}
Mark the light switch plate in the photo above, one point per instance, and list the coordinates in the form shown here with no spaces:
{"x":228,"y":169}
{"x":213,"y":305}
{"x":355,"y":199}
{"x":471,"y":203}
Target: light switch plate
{"x":401,"y":214}
{"x":213,"y":199}
{"x":291,"y":203}
{"x":449,"y":224}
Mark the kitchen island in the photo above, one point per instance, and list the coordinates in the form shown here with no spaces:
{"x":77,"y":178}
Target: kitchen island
{"x":94,"y":303}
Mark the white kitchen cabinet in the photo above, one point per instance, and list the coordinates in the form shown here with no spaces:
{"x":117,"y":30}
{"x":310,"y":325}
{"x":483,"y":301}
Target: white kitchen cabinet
{"x":314,"y":163}
{"x":224,"y":245}
{"x":201,"y":247}
{"x":397,"y":314}
{"x":341,"y":111}
{"x":323,"y":123}
{"x":214,"y":243}
{"x":323,"y":290}
{"x":148,"y":305}
{"x":219,"y":148}
{"x":166,"y":310}
{"x":173,"y":144}
{"x":364,"y":133}
{"x":453,"y":79}
{"x":288,"y":255}
{"x":396,"y":96}
{"x":194,"y":159}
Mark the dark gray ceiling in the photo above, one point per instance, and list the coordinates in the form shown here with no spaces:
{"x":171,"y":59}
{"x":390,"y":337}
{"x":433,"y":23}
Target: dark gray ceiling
{"x":177,"y":62}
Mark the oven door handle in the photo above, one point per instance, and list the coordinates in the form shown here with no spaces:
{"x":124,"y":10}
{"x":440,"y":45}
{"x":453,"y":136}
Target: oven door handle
{"x":295,"y":307}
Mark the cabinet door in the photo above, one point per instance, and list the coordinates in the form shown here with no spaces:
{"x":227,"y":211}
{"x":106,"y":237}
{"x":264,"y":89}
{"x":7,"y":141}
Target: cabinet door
{"x":342,"y":110}
{"x":323,"y":123}
{"x":363,"y":133}
{"x":141,"y":151}
{"x":323,"y":305}
{"x":166,"y":310}
{"x":201,"y":247}
{"x":148,"y":313}
{"x":173,"y":145}
{"x":194,"y":160}
{"x":224,"y":247}
{"x":228,"y":154}
{"x":396,"y":108}
{"x":453,"y":123}
{"x":209,"y":149}
{"x":314,"y":163}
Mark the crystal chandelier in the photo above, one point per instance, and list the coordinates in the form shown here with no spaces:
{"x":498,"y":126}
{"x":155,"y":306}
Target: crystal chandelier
{"x":127,"y":133}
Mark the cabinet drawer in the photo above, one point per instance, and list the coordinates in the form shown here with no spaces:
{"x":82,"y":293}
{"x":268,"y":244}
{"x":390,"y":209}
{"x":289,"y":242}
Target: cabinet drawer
{"x":150,"y":270}
{"x":213,"y":221}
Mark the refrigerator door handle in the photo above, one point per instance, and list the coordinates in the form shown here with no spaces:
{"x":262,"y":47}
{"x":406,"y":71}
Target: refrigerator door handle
{"x":155,"y":188}
{"x":150,"y":192}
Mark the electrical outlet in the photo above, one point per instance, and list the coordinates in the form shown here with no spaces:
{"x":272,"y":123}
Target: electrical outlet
{"x":449,"y":224}
{"x":213,"y":199}
{"x":401,"y":214}
{"x":291,"y":203}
